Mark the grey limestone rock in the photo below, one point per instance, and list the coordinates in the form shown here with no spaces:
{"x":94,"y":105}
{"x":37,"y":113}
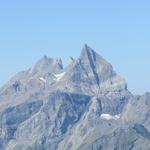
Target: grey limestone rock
{"x":84,"y":106}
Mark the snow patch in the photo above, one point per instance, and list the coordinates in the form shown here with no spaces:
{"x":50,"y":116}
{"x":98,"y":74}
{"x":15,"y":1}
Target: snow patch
{"x":109,"y":117}
{"x":42,"y":79}
{"x":59,"y":76}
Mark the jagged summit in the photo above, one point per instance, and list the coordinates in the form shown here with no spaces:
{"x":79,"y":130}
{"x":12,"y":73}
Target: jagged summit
{"x":90,"y":73}
{"x":83,"y":106}
{"x":46,"y":64}
{"x":87,"y":52}
{"x":90,"y":57}
{"x":101,"y":70}
{"x":71,"y":61}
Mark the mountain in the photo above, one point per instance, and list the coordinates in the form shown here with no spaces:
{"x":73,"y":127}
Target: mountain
{"x":84,"y":106}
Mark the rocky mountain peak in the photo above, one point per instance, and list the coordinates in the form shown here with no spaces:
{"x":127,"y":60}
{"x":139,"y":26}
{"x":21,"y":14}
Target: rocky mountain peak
{"x":46,"y":64}
{"x":91,"y":59}
{"x":85,"y":104}
{"x":100,"y":70}
{"x":88,"y":53}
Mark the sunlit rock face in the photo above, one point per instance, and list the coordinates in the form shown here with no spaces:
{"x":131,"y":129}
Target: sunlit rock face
{"x":84,"y":106}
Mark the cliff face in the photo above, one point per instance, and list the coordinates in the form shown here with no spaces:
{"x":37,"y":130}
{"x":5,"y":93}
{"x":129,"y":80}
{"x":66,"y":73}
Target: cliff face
{"x":84,"y":106}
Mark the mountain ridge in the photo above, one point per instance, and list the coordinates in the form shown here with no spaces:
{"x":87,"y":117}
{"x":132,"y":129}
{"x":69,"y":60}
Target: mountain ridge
{"x":85,"y":105}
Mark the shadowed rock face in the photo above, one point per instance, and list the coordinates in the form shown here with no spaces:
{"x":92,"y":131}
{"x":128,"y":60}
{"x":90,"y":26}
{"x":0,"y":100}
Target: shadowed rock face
{"x":85,"y":106}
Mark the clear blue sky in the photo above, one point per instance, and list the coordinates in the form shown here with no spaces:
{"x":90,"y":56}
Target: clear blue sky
{"x":118,"y":29}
